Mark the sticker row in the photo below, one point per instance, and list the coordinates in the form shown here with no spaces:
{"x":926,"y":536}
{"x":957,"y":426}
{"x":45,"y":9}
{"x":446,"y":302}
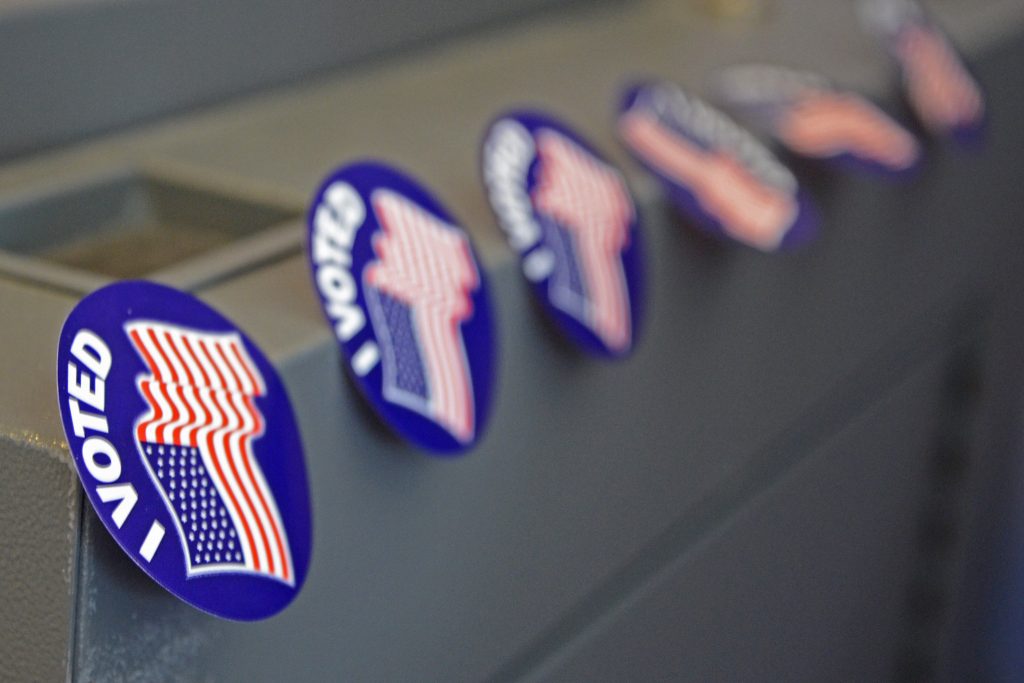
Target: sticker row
{"x":182,"y":432}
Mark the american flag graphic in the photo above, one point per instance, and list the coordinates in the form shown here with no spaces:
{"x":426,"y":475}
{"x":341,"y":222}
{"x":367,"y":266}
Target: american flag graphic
{"x":822,"y":124}
{"x":747,"y":209}
{"x":591,"y":212}
{"x":941,"y":91}
{"x":418,"y":292}
{"x":196,"y":441}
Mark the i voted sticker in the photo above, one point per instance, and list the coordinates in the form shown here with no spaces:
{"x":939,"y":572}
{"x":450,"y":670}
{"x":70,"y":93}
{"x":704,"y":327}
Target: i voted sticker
{"x":570,"y":217}
{"x":811,"y":118}
{"x":187,"y":448}
{"x":942,"y":92}
{"x":714,"y":171}
{"x":403,"y":292}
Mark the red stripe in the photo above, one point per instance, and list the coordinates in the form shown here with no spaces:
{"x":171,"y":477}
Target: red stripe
{"x":191,"y":345}
{"x":176,"y":432}
{"x":257,"y":430}
{"x":142,"y":349}
{"x":141,"y":432}
{"x":463,"y":389}
{"x":197,"y":424}
{"x":433,"y":344}
{"x":216,"y":455}
{"x":194,"y":423}
{"x":168,"y":345}
{"x":245,"y":455}
{"x":160,"y":430}
{"x":245,"y":368}
{"x":160,"y":350}
{"x":230,"y":491}
{"x":259,"y":492}
{"x":234,"y":470}
{"x":180,"y":357}
{"x":213,"y":363}
{"x":158,"y":418}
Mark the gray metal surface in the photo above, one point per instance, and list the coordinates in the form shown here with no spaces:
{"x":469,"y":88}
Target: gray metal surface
{"x":40,"y":503}
{"x":40,"y":517}
{"x":598,"y":486}
{"x":807,"y":582}
{"x":75,"y":69}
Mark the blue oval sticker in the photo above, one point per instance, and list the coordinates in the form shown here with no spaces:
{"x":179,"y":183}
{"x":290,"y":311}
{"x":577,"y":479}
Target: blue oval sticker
{"x":811,"y":118}
{"x":400,"y":285}
{"x":570,"y":217}
{"x":187,"y":448}
{"x":713,"y":170}
{"x":938,"y":85}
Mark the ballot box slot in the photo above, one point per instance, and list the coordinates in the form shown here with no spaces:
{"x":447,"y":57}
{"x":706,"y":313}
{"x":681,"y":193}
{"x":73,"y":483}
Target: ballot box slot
{"x":139,"y":224}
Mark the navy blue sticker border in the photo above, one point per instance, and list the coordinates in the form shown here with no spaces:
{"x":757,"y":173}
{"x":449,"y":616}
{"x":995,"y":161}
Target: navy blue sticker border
{"x":633,"y":257}
{"x":235,"y":596}
{"x":479,"y":336}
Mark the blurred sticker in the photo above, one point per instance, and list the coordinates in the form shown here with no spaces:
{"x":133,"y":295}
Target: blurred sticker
{"x":570,"y":217}
{"x":713,"y":170}
{"x":401,"y":287}
{"x":187,"y":448}
{"x":811,"y":118}
{"x":940,"y":89}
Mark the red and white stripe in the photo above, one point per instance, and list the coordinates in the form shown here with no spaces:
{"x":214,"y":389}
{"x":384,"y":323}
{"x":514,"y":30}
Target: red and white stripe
{"x":943,"y":94}
{"x":427,"y":265}
{"x":590,"y":199}
{"x":824,"y":124}
{"x":201,"y":393}
{"x":747,"y":209}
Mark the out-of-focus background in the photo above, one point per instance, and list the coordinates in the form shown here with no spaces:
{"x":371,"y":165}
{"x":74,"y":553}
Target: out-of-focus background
{"x":811,"y":468}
